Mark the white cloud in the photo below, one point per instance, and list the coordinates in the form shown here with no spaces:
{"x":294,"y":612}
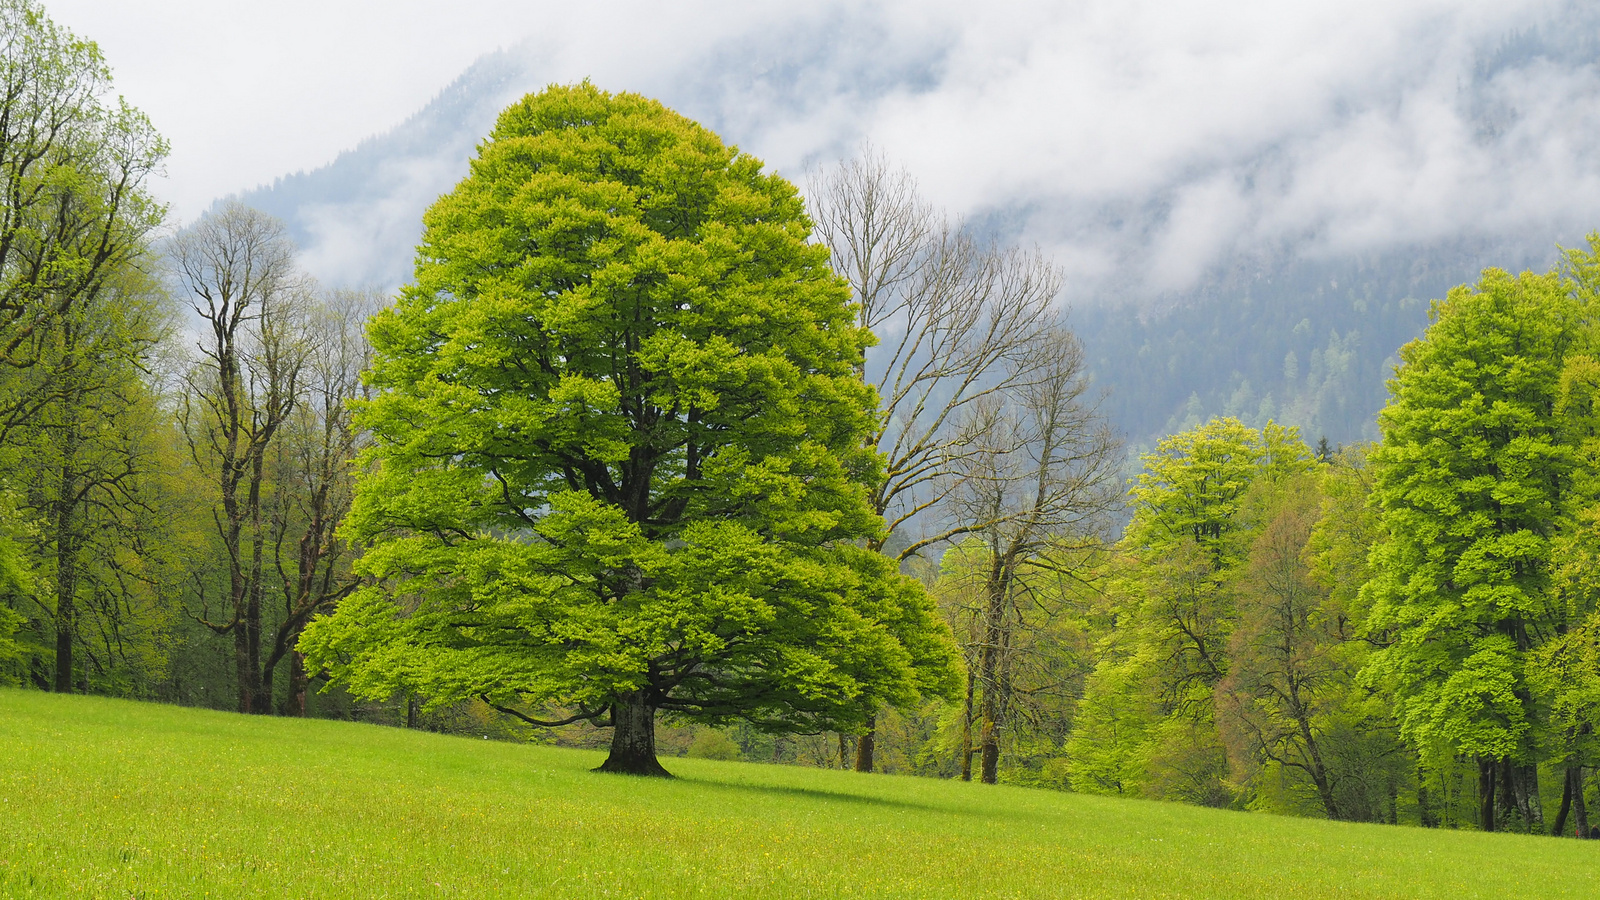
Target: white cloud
{"x":1140,"y":142}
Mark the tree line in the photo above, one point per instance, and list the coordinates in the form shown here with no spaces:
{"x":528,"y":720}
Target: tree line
{"x":174,"y":426}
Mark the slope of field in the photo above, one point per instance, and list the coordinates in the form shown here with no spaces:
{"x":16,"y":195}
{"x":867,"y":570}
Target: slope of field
{"x":104,"y":798}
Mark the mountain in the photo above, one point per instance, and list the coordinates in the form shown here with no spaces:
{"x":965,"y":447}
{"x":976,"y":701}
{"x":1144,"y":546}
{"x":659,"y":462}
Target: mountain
{"x":1268,"y":272}
{"x":1306,"y":343}
{"x":357,"y":219}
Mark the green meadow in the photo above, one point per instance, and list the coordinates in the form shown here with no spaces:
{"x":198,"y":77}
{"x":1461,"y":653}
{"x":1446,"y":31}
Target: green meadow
{"x":115,"y":799}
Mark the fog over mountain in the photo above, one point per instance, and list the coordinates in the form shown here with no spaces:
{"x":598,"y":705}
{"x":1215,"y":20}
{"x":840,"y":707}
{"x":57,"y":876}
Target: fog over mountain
{"x":1252,"y":203}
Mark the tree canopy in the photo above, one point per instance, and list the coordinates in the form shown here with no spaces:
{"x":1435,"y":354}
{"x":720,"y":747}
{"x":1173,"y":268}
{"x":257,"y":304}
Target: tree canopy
{"x":622,"y":445}
{"x":1470,"y":482}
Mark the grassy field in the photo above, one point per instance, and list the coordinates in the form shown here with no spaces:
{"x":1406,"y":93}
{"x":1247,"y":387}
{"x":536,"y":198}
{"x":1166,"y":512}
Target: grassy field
{"x":104,"y":798}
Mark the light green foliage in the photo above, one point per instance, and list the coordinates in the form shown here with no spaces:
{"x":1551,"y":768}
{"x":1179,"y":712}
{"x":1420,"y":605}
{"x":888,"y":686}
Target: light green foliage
{"x":164,"y":801}
{"x":74,"y":164}
{"x":620,"y":444}
{"x":1565,"y":671}
{"x":1345,"y":531}
{"x":75,"y":296}
{"x":1193,"y":484}
{"x":1146,"y":724}
{"x":1470,"y":480}
{"x":709,"y":743}
{"x":1288,"y":710}
{"x":1106,"y":751}
{"x":16,"y":585}
{"x":1233,"y":683}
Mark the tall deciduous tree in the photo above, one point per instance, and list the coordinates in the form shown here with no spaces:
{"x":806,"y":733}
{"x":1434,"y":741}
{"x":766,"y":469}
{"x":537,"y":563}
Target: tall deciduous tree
{"x":962,"y":325}
{"x":1148,"y":721}
{"x":1188,"y":528}
{"x":1039,"y":479}
{"x":236,"y":268}
{"x":622,"y":453}
{"x":1285,"y":669}
{"x":86,"y":453}
{"x":1566,"y":669}
{"x":1471,"y":480}
{"x":313,"y":481}
{"x":76,"y":218}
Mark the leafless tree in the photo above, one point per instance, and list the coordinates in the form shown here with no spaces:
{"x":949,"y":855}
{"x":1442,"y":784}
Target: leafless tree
{"x":959,"y":323}
{"x":237,"y":270}
{"x":1037,"y":485}
{"x":315,"y":481}
{"x":966,"y":330}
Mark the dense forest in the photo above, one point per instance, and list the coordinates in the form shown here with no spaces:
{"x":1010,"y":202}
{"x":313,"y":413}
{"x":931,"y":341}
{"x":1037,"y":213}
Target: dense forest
{"x":225,"y":485}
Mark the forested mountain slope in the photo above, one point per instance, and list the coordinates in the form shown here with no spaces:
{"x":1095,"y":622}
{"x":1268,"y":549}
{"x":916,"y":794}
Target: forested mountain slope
{"x":1306,"y":343}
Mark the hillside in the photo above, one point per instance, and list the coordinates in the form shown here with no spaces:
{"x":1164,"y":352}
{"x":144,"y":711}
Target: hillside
{"x":107,"y":798}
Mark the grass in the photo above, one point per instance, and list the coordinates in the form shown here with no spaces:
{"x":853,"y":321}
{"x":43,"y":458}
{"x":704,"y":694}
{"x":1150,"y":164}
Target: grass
{"x":106,"y":798}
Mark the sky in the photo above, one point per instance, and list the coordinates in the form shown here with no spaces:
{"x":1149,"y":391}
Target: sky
{"x":1139,"y":142}
{"x":247,"y":92}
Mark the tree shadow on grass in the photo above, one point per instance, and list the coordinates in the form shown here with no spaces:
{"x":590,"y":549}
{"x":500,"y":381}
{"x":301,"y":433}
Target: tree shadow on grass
{"x":779,"y":791}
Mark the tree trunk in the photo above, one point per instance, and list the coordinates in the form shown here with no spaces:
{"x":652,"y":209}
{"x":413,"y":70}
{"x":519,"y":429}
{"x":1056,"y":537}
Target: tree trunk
{"x":265,"y":699}
{"x":65,"y":615}
{"x":67,"y":538}
{"x":1580,"y":812}
{"x":66,"y":608}
{"x":1559,"y":826}
{"x":260,"y":689}
{"x":241,"y":665}
{"x":866,"y":744}
{"x":261,"y":697}
{"x":845,"y":752}
{"x":1529,"y":797}
{"x":966,"y":729}
{"x":633,"y":738}
{"x":1486,"y":779}
{"x":989,"y":669}
{"x":295,"y":703}
{"x":1319,"y":773}
{"x":1518,"y":797}
{"x":1505,"y":797}
{"x":990,"y":752}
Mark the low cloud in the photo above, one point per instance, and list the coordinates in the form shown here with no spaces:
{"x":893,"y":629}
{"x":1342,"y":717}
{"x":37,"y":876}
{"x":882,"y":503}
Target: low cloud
{"x":1142,"y":144}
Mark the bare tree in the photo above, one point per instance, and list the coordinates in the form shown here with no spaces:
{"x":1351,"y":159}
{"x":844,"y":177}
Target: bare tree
{"x":958,"y":322}
{"x":315,"y":482}
{"x":1036,"y":486}
{"x":236,"y":267}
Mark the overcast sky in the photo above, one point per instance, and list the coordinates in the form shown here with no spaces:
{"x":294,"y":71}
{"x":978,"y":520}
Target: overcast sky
{"x":1173,"y":132}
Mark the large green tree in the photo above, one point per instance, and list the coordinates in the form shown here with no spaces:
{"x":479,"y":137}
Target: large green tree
{"x":622,"y":449}
{"x":1470,"y":482}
